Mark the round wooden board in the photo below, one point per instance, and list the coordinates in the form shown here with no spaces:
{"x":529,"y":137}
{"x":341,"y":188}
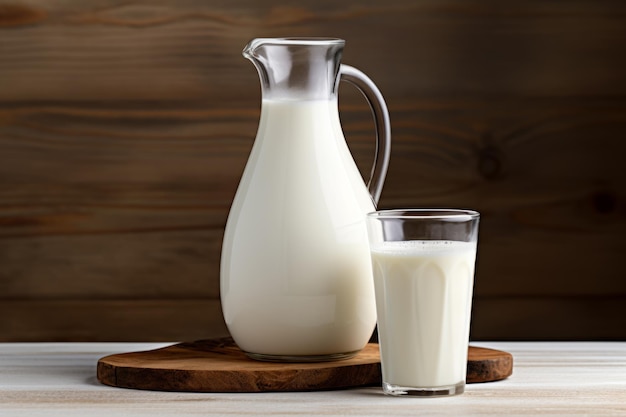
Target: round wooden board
{"x":220,"y":366}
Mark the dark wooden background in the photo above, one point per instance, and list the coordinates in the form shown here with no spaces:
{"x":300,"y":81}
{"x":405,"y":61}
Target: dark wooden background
{"x":125,"y":126}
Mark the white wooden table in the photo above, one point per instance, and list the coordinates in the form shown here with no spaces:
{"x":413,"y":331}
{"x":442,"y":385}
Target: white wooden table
{"x":557,"y":379}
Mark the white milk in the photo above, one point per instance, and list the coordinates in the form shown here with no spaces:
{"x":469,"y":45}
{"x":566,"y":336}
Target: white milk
{"x":296,"y":272}
{"x":423,"y":296}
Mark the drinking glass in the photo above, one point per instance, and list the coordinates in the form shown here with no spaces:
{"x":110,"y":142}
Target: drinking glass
{"x":423,"y":265}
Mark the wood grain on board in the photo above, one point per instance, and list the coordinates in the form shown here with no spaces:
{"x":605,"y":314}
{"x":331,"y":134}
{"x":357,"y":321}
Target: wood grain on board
{"x":220,"y":366}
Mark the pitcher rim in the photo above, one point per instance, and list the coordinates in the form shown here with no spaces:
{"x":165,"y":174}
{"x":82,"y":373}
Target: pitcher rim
{"x":301,"y":40}
{"x":291,"y":41}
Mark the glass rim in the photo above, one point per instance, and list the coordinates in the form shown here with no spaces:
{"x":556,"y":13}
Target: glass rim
{"x":444,"y":214}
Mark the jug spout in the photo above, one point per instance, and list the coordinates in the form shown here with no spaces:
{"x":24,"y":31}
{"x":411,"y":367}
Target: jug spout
{"x":296,"y":68}
{"x":250,"y":51}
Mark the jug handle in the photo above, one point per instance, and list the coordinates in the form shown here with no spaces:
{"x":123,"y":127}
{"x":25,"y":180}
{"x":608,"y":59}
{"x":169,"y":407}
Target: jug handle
{"x":382,"y":123}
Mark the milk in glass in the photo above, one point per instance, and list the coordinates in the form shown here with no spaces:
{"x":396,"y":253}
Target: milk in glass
{"x":423,"y":296}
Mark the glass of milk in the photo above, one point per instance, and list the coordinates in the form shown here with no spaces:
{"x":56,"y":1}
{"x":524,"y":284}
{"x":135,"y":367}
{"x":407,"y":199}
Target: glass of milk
{"x":423,"y":264}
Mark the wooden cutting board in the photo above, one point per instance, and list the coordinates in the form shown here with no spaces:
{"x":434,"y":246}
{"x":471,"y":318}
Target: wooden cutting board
{"x":220,"y":366}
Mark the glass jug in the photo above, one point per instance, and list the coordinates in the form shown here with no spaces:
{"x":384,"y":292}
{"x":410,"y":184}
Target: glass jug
{"x":296,"y":281}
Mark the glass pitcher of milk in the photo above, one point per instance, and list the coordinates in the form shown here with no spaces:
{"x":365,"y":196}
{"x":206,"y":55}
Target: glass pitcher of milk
{"x":296,"y":281}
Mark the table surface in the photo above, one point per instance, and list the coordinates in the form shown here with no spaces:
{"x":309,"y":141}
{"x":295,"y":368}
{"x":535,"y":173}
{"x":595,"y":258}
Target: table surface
{"x":556,"y":379}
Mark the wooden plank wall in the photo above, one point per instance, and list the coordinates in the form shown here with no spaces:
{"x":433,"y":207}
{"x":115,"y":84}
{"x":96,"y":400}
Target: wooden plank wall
{"x":125,"y":126}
